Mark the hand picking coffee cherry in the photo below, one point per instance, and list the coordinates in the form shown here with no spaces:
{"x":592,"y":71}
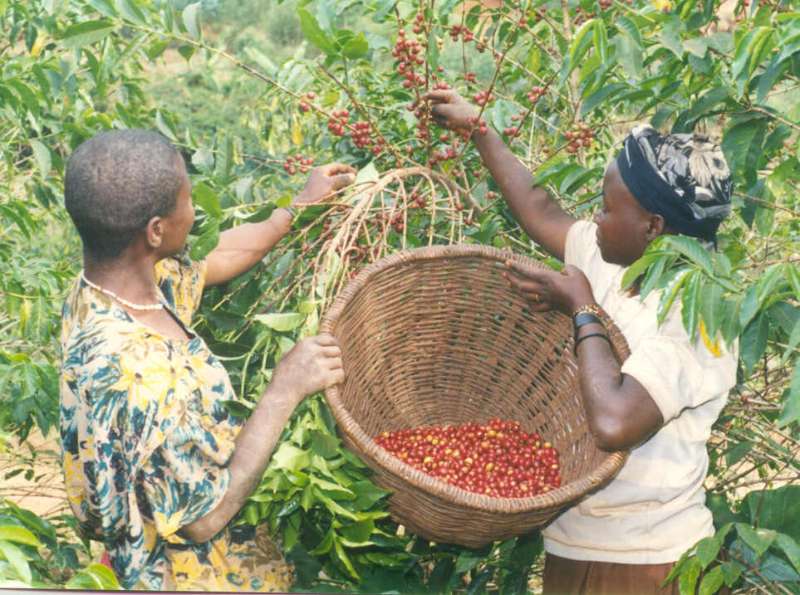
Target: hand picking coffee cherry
{"x":497,"y":458}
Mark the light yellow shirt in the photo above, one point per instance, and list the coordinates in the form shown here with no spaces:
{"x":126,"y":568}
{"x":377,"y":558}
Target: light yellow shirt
{"x":146,"y":444}
{"x":654,"y":509}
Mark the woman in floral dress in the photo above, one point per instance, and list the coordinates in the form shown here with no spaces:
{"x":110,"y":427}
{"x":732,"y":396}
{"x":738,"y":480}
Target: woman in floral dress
{"x":155,"y":466}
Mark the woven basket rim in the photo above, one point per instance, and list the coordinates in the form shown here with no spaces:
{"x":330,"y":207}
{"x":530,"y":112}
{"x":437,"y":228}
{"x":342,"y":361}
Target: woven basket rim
{"x":558,"y":497}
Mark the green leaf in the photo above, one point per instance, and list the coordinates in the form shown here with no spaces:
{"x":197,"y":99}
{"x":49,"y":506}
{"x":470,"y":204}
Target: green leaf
{"x":526,"y":549}
{"x":206,"y":242}
{"x":342,"y":556}
{"x":671,"y":38}
{"x":356,"y":47}
{"x":793,"y":276}
{"x":358,"y":532}
{"x":690,"y":304}
{"x":17,"y":559}
{"x":190,"y":19}
{"x":368,"y":173}
{"x":42,"y":156}
{"x":712,"y":581}
{"x":711,"y":307}
{"x":697,"y":46}
{"x":331,"y":489}
{"x":130,"y":11}
{"x":203,"y":159}
{"x":314,"y":33}
{"x":739,"y":141}
{"x":791,"y":405}
{"x":792,"y":343}
{"x":750,"y":306}
{"x":467,"y":560}
{"x":600,"y":39}
{"x":738,"y":452}
{"x":96,"y":577}
{"x":626,"y":25}
{"x":19,"y":535}
{"x":281,"y":322}
{"x":441,"y":574}
{"x":306,"y":567}
{"x":88,"y":32}
{"x":671,"y":292}
{"x":688,"y":577}
{"x":707,"y":550}
{"x":731,"y":572}
{"x":187,"y":51}
{"x":581,"y":43}
{"x":290,"y":457}
{"x":367,"y":494}
{"x":157,"y":48}
{"x":790,"y":548}
{"x":599,"y":97}
{"x":324,"y":444}
{"x":164,"y":127}
{"x":742,"y":55}
{"x":629,"y":56}
{"x":691,"y":249}
{"x":638,"y":268}
{"x":759,"y":540}
{"x":777,"y":509}
{"x":754,"y":342}
{"x":208,"y":200}
{"x":335,"y":508}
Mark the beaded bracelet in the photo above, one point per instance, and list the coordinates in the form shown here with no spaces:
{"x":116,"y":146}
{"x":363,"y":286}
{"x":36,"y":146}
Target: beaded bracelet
{"x":589,"y":309}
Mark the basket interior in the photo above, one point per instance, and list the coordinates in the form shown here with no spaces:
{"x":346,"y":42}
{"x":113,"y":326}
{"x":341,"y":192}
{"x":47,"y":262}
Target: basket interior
{"x":446,"y":341}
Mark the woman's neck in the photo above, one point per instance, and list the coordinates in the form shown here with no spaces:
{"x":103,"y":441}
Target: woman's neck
{"x":130,"y":278}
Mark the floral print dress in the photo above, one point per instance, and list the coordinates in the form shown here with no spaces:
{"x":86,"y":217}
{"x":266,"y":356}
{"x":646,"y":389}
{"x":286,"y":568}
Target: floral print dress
{"x":146,"y":443}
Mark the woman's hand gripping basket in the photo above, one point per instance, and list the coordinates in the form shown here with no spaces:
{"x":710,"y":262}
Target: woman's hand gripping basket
{"x":436,"y":336}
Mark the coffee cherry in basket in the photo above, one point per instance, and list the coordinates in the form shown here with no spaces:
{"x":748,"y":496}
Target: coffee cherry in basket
{"x":496,"y":458}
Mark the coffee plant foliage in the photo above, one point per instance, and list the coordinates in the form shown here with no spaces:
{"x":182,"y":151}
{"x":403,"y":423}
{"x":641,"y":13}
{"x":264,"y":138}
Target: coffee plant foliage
{"x":562,"y":82}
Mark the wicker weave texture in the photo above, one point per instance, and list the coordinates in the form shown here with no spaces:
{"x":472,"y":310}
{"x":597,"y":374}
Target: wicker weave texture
{"x":436,"y":336}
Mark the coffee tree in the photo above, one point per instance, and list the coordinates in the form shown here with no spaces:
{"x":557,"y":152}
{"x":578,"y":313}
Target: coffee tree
{"x":563,"y":82}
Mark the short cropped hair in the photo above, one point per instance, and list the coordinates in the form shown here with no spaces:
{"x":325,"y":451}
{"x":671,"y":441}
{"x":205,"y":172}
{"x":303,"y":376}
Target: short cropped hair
{"x":115,"y":183}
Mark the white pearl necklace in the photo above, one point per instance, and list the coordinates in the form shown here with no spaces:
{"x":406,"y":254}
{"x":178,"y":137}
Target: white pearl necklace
{"x":122,"y":301}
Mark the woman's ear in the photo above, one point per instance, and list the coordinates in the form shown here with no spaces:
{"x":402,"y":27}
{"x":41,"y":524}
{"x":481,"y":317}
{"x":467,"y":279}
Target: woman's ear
{"x":656,"y":227}
{"x":155,"y":232}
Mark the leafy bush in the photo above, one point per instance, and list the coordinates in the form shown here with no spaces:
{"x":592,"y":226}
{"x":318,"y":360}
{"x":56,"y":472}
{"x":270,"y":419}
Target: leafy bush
{"x":75,"y":67}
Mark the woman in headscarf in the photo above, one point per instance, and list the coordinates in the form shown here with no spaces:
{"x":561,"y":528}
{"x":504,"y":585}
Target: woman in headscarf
{"x":155,"y":467}
{"x":662,"y":401}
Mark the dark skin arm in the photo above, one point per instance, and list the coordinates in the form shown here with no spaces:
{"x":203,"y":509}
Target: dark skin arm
{"x":242,"y":247}
{"x":312,"y":365}
{"x":539,"y":215}
{"x":620,"y":412}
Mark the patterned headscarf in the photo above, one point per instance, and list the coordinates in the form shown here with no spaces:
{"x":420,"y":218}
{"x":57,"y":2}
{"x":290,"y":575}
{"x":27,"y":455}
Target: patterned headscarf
{"x":682,"y":177}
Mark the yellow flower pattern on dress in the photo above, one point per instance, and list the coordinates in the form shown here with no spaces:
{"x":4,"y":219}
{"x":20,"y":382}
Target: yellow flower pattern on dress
{"x":146,"y":443}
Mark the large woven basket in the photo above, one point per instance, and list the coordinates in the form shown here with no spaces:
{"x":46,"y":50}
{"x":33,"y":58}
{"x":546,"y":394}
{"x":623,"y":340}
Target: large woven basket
{"x":435,"y":335}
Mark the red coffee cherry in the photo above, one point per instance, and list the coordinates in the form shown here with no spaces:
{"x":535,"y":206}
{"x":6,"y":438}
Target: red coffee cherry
{"x":497,"y":458}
